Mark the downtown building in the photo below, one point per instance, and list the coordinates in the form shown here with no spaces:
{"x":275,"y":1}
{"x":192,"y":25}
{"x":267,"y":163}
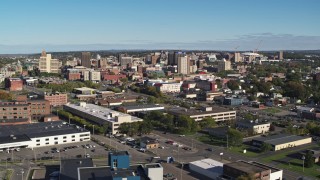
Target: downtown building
{"x":49,"y":65}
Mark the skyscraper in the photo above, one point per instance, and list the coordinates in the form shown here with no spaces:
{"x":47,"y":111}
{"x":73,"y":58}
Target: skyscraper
{"x":280,"y":55}
{"x":224,"y":65}
{"x":85,"y":59}
{"x":183,"y":65}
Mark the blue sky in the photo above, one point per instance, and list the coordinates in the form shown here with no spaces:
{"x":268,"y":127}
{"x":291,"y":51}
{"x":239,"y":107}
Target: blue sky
{"x":62,"y":25}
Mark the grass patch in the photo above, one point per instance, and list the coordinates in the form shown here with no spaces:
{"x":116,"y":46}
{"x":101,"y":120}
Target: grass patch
{"x":272,"y":110}
{"x":294,"y":164}
{"x":239,"y":150}
{"x":8,"y":174}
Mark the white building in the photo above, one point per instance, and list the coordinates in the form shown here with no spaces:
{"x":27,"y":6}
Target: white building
{"x":41,"y":134}
{"x":254,"y":126}
{"x":207,"y":167}
{"x":183,"y":65}
{"x":168,"y":87}
{"x":95,"y":76}
{"x":100,"y":115}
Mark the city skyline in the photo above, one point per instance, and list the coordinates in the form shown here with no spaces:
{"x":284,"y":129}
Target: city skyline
{"x":29,"y":27}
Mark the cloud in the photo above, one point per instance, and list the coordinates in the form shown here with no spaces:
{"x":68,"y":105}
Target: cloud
{"x":248,"y":42}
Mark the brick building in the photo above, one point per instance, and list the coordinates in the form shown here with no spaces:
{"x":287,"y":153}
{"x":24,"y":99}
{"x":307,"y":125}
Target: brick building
{"x":56,"y":99}
{"x":73,"y":76}
{"x":14,"y":112}
{"x":13,"y":84}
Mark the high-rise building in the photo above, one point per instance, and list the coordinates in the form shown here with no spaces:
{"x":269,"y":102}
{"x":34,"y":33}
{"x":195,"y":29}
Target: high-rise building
{"x":49,"y":65}
{"x":177,"y":55}
{"x":154,"y":59}
{"x":86,"y":59}
{"x":280,"y":55}
{"x":183,"y":65}
{"x":171,"y":58}
{"x":224,"y":65}
{"x":237,"y":57}
{"x":125,"y":61}
{"x":200,"y":63}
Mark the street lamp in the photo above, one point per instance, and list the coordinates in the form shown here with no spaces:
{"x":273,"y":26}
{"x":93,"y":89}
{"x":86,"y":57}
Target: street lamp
{"x":22,"y":174}
{"x":93,"y":129}
{"x":181,"y":170}
{"x":69,"y":119}
{"x":84,"y":126}
{"x":303,"y":158}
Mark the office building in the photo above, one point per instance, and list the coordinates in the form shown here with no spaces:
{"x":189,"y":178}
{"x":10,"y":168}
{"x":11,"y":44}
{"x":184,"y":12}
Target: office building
{"x":86,"y":59}
{"x":95,"y":76}
{"x":49,"y":65}
{"x":183,"y":65}
{"x":100,"y":115}
{"x":217,"y":113}
{"x":168,"y":87}
{"x":125,"y":61}
{"x":224,"y":65}
{"x":237,"y":57}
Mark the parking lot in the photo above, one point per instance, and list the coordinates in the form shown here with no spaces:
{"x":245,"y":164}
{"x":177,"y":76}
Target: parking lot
{"x":72,"y":150}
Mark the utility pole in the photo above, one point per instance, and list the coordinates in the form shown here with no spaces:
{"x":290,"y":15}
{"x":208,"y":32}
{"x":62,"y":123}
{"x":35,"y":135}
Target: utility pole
{"x":227,"y":141}
{"x":181,"y":170}
{"x":93,"y":129}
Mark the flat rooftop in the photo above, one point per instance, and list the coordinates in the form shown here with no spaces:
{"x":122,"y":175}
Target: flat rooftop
{"x":280,"y":139}
{"x":251,"y":123}
{"x":209,"y":165}
{"x":97,"y":173}
{"x":119,"y":153}
{"x":246,"y":167}
{"x":104,"y":114}
{"x":190,"y":112}
{"x":140,"y":106}
{"x":42,"y":129}
{"x":68,"y":167}
{"x":84,"y":89}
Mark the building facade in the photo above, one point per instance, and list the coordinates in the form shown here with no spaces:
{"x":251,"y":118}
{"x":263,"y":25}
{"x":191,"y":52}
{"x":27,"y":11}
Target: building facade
{"x":56,"y":99}
{"x":49,"y":65}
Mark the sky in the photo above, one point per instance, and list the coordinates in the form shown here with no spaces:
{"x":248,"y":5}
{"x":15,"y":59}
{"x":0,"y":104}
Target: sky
{"x":68,"y":25}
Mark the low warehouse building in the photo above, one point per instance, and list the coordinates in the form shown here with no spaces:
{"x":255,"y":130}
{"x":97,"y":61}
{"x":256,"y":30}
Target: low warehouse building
{"x":207,"y":167}
{"x":282,"y":141}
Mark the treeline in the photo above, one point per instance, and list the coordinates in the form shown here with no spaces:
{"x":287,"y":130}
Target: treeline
{"x":167,"y":122}
{"x":69,"y":86}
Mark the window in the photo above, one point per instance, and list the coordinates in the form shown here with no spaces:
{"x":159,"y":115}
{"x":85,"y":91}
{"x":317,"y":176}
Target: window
{"x":56,"y":138}
{"x":47,"y":139}
{"x":56,"y":142}
{"x":64,"y":140}
{"x":47,"y":143}
{"x":64,"y":137}
{"x":38,"y":140}
{"x":84,"y":135}
{"x":73,"y":140}
{"x":73,"y":136}
{"x":38,"y":144}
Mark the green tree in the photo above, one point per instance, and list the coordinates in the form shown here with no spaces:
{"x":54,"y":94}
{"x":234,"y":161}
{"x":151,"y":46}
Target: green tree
{"x":233,"y":85}
{"x":309,"y":160}
{"x":207,"y":122}
{"x":234,"y":137}
{"x":265,"y":147}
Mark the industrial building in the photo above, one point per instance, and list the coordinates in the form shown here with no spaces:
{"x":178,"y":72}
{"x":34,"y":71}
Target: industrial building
{"x":207,"y":167}
{"x":259,"y":171}
{"x":100,"y":115}
{"x":217,"y":113}
{"x":41,"y":134}
{"x":282,"y":141}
